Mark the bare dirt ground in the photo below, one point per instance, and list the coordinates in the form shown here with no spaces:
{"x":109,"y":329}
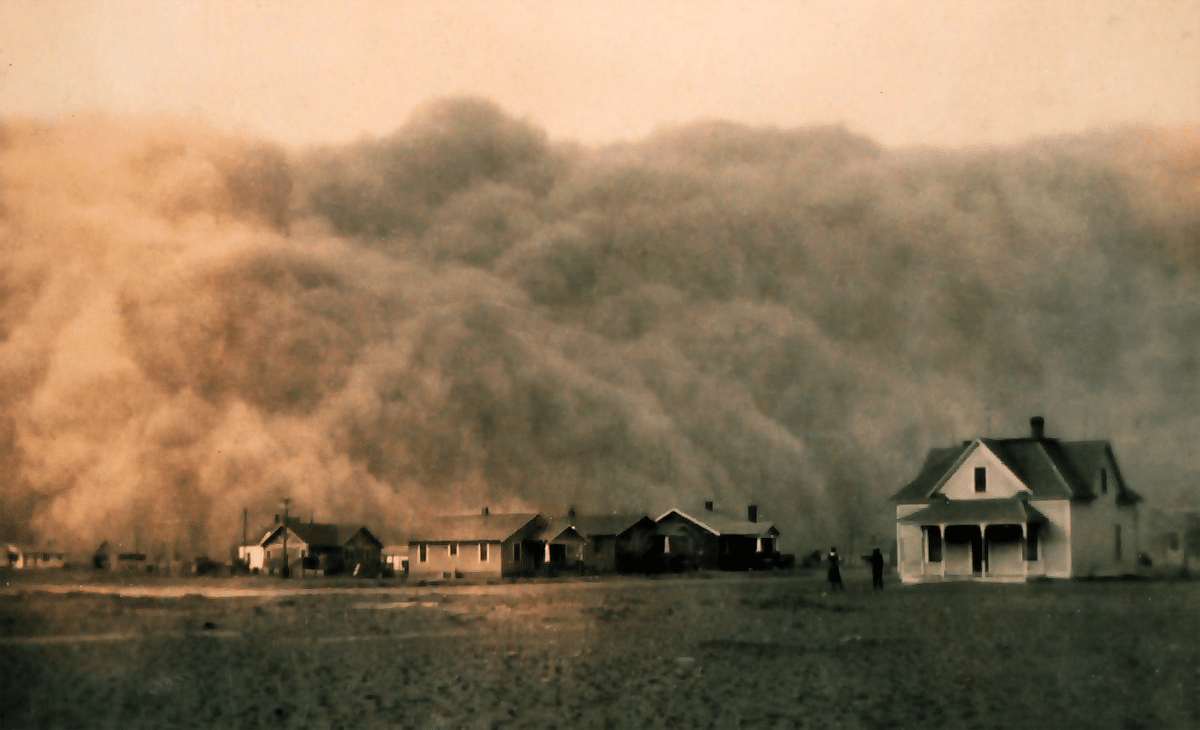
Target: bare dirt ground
{"x":707,"y":650}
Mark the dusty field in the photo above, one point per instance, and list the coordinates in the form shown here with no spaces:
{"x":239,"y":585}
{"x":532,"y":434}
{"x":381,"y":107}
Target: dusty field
{"x":724,"y":651}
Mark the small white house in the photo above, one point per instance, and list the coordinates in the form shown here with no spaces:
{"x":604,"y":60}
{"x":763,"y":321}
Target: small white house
{"x":395,"y":557}
{"x":483,"y":545}
{"x":1009,"y":509}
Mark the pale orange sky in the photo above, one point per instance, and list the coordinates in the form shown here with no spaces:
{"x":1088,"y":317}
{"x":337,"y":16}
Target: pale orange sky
{"x":903,"y":72}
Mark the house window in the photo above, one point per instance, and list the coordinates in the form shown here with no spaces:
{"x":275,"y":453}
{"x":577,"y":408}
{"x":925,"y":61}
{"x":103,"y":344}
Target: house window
{"x":423,"y":556}
{"x":454,"y":548}
{"x":935,"y":544}
{"x":517,"y":552}
{"x":483,"y":552}
{"x":1104,"y":481}
{"x":980,"y":479}
{"x":596,"y":546}
{"x":1117,"y":542}
{"x":1031,"y":542}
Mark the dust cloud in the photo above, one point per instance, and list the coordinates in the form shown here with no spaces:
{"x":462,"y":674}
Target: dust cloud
{"x":468,"y":313}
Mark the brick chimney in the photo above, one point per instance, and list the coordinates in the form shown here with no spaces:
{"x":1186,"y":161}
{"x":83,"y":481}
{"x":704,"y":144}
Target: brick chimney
{"x":752,"y":513}
{"x":1037,"y":425}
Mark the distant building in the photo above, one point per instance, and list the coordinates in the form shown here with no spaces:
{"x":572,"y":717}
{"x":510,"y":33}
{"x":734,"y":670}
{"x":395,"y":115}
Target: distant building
{"x":1007,"y":509}
{"x":477,"y":545}
{"x":563,"y":546}
{"x":362,"y":552}
{"x":311,"y":546}
{"x":714,"y":540}
{"x":23,"y":557}
{"x":1171,"y":538}
{"x":395,"y":559}
{"x":624,"y":543}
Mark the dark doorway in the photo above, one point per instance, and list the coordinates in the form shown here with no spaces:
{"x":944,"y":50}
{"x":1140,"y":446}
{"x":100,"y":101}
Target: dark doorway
{"x":977,"y":553}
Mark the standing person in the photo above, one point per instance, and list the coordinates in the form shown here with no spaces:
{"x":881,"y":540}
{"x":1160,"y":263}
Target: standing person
{"x":877,"y":570}
{"x":835,"y":573}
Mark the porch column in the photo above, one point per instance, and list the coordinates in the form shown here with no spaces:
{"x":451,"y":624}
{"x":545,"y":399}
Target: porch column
{"x":547,"y":552}
{"x":924,"y":551}
{"x":983,"y":566}
{"x":942,"y":536}
{"x":1024,"y":551}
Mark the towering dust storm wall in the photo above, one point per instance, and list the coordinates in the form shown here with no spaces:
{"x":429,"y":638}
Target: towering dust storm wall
{"x":467,"y":313}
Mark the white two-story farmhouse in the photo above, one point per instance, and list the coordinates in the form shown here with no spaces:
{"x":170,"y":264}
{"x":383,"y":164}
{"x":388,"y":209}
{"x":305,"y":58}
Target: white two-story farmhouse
{"x":1008,"y":509}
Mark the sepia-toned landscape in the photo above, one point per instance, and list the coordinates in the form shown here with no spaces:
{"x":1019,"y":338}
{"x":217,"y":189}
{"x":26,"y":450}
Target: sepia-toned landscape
{"x":550,"y":363}
{"x":706,"y":650}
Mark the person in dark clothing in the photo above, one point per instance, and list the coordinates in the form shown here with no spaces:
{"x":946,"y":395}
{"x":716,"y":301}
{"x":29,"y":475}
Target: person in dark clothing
{"x":876,"y":570}
{"x":835,"y":573}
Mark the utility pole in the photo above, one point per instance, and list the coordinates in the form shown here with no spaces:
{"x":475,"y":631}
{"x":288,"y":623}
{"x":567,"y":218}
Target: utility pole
{"x":286,"y":567}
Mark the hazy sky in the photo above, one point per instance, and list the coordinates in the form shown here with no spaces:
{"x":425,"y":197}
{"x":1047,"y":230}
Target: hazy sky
{"x":902,"y":72}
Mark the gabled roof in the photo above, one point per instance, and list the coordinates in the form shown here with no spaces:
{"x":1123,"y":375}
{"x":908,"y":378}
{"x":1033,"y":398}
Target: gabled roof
{"x":938,"y":463}
{"x":721,"y":524}
{"x":1050,"y":468}
{"x":593,"y":525}
{"x":472,"y":528}
{"x":560,"y":530}
{"x":349,"y":532}
{"x":1011,"y":511}
{"x":316,"y":534}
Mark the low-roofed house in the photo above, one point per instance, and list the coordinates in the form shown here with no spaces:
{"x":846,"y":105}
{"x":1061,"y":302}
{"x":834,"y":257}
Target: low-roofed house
{"x":362,"y":552}
{"x":26,"y":557}
{"x":1171,"y":538}
{"x":715,"y":540}
{"x":477,"y":545}
{"x":311,"y":546}
{"x":395,"y":560}
{"x":1007,"y":509}
{"x":623,"y":543}
{"x":251,"y":553}
{"x":563,"y":546}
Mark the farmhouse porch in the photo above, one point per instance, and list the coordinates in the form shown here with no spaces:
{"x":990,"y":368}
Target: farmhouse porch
{"x":980,"y":539}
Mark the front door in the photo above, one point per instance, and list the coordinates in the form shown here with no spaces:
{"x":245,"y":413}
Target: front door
{"x":977,"y":553}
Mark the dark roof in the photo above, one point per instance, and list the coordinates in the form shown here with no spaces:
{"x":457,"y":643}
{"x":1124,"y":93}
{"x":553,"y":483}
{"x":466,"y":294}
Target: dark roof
{"x":1050,"y":468}
{"x":560,"y":530}
{"x":349,"y":532}
{"x":472,"y":528}
{"x":937,"y":463}
{"x":593,"y":525}
{"x":721,"y":524}
{"x":318,"y":534}
{"x":1012,"y":511}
